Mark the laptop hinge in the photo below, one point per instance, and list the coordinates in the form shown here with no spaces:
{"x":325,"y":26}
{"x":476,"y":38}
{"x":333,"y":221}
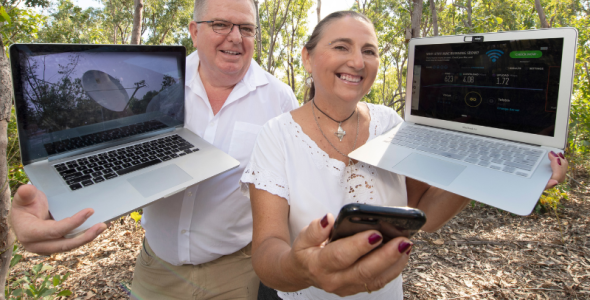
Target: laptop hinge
{"x":111,"y":144}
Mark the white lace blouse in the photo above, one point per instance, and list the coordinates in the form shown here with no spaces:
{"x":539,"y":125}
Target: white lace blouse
{"x":287,"y":163}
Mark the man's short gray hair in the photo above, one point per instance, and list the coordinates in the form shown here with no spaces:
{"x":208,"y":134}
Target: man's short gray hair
{"x":201,"y":7}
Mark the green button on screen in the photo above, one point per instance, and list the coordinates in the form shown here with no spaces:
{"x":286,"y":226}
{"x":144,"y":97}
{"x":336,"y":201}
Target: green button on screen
{"x":526,"y":54}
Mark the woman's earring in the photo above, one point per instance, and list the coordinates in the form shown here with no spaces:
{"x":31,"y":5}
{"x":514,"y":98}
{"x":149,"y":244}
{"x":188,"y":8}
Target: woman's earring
{"x":308,"y":81}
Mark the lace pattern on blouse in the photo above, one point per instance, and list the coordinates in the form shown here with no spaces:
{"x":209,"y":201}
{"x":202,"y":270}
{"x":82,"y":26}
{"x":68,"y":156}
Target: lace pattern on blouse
{"x":263,"y":180}
{"x":357,"y":180}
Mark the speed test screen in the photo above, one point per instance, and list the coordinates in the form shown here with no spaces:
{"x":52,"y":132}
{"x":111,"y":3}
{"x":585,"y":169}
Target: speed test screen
{"x":510,"y":85}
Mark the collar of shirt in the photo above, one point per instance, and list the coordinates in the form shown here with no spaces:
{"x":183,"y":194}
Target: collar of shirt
{"x":254,"y":77}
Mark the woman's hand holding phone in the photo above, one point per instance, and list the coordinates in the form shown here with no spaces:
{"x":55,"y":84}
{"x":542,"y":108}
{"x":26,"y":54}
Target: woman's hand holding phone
{"x":349,"y":265}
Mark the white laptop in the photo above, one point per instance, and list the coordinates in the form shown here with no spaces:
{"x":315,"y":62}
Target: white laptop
{"x":482,"y":113}
{"x":101,"y":126}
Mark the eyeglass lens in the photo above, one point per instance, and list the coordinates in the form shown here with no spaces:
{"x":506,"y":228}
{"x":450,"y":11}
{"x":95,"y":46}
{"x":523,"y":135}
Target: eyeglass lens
{"x":223,"y":27}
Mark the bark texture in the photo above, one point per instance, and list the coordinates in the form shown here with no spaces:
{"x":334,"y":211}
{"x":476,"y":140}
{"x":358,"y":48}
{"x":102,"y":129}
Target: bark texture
{"x":319,"y":10}
{"x":541,"y":13}
{"x":137,"y":17}
{"x":6,"y":235}
{"x":416,"y":18}
{"x":258,"y":35}
{"x":434,"y":17}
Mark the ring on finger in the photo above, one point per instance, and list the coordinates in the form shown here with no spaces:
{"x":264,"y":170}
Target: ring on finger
{"x":367,"y":288}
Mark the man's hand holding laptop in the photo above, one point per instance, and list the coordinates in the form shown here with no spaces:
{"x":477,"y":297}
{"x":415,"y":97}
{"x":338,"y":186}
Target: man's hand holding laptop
{"x":38,"y":232}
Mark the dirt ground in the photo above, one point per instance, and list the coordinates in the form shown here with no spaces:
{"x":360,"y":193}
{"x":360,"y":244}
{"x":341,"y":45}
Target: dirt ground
{"x":483,"y":253}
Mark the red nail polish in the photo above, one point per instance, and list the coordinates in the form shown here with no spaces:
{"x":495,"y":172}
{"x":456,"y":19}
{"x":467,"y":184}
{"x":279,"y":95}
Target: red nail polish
{"x":553,"y":153}
{"x":324,"y":221}
{"x":559,"y":161}
{"x":561,"y":155}
{"x":374,"y":238}
{"x":403,"y":246}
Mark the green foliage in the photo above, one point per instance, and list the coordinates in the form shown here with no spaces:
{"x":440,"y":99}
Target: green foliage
{"x":35,"y":284}
{"x":21,"y":25}
{"x":16,"y":173}
{"x":68,"y":23}
{"x":550,"y":200}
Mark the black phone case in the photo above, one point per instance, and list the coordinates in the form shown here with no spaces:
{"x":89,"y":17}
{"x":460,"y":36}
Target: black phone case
{"x":391,"y":221}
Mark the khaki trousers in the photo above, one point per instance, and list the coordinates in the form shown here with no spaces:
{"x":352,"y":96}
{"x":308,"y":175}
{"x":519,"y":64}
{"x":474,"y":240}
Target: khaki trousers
{"x":228,"y":277}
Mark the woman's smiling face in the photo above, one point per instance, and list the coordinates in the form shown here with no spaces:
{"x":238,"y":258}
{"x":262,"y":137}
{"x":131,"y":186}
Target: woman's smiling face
{"x":345,"y":61}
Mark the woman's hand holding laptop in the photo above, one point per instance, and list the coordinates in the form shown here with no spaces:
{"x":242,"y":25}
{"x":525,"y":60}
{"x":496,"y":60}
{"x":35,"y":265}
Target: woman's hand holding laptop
{"x":559,"y":166}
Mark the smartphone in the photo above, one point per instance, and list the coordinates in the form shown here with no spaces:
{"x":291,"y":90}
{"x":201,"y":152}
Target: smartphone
{"x":391,"y":221}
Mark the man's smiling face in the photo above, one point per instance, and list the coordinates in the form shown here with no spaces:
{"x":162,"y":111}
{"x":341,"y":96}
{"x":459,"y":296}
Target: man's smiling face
{"x":225,"y":56}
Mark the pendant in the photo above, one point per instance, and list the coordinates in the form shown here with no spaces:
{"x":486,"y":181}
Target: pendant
{"x":340,"y":133}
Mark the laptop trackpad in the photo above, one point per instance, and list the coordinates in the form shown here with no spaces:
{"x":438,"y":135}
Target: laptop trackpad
{"x":429,"y":168}
{"x":158,"y":180}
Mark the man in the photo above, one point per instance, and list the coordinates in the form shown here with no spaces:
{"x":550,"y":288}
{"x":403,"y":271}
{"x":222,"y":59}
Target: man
{"x":197,"y":242}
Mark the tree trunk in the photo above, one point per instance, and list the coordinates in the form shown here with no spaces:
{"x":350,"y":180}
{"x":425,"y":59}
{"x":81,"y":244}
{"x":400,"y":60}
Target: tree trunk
{"x":469,"y":12}
{"x":6,"y":235}
{"x":274,"y":31}
{"x":137,"y":18}
{"x":319,"y":9}
{"x":434,"y":17}
{"x":416,"y":18}
{"x":258,"y":35}
{"x":541,"y":13}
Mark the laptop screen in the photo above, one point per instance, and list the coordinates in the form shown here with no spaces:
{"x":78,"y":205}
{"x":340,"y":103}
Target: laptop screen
{"x":510,"y":84}
{"x":72,"y":97}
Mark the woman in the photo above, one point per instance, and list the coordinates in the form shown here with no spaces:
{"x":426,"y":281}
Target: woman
{"x":300,"y":176}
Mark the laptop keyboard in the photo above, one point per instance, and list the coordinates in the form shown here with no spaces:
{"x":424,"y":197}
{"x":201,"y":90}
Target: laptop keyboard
{"x":506,"y":157}
{"x":97,"y":168}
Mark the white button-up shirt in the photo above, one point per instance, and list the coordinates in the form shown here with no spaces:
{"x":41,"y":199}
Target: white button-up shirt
{"x":212,"y":218}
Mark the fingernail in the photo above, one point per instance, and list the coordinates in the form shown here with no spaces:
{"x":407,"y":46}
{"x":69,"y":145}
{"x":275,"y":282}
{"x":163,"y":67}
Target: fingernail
{"x":403,"y":246}
{"x":88,"y":214}
{"x":101,"y":230}
{"x":374,"y":238}
{"x":324,"y":221}
{"x":409,"y":251}
{"x":559,"y":161}
{"x":561,"y":155}
{"x":553,"y":153}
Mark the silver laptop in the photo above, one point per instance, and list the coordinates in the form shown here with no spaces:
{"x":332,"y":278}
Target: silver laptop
{"x":482,"y":113}
{"x":101,"y":126}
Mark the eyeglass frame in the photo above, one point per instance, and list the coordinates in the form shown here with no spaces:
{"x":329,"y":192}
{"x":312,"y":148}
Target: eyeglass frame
{"x":232,"y":27}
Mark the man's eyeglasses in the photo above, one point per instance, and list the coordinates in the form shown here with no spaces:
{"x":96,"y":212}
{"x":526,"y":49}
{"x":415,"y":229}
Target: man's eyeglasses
{"x":223,"y":27}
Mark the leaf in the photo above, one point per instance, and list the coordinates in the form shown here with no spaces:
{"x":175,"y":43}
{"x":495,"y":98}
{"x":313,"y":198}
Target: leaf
{"x":46,"y":267}
{"x":37,"y":268}
{"x":64,"y":293}
{"x":56,"y":280}
{"x":17,"y":292}
{"x":15,"y":259}
{"x":499,"y":20}
{"x":3,"y":15}
{"x":135,"y":216}
{"x":47,"y":292}
{"x":30,"y":293}
{"x":439,"y":242}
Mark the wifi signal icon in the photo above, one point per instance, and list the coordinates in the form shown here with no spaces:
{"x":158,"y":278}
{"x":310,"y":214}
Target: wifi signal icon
{"x":494,"y":54}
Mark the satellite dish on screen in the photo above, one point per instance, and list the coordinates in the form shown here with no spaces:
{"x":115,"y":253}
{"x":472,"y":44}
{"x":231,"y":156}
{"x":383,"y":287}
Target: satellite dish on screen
{"x":105,"y":90}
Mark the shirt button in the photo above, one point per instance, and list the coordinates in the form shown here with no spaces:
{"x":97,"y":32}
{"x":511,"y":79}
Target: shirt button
{"x":190,"y":193}
{"x":212,"y":123}
{"x":183,"y":231}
